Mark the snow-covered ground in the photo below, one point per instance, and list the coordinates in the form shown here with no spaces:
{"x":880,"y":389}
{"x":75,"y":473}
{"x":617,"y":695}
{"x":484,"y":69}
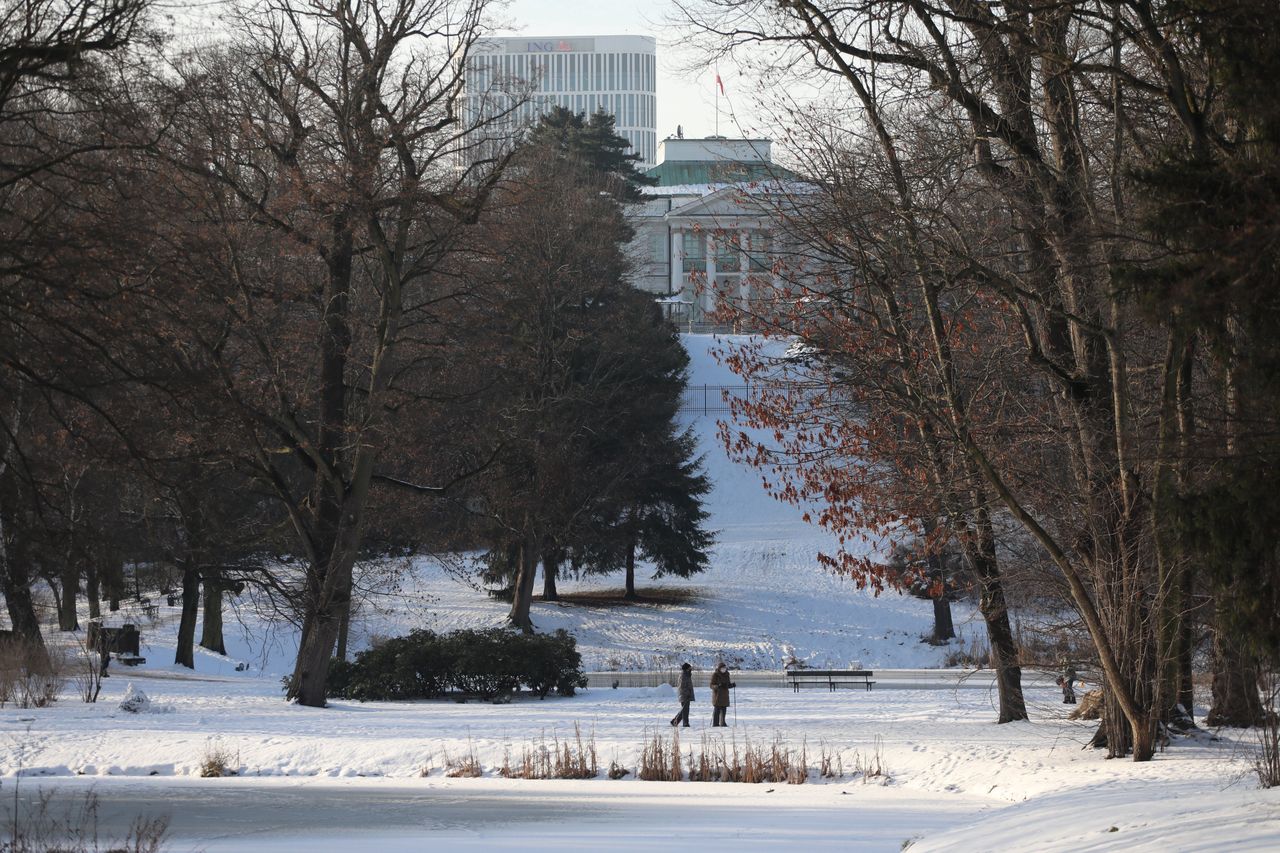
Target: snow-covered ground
{"x":954,"y":780}
{"x":352,"y":774}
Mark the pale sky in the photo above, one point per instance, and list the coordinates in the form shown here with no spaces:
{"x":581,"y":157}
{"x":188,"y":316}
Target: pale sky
{"x":684,"y":98}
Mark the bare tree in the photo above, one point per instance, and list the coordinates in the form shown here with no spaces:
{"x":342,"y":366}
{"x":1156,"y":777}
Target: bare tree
{"x":46,"y":101}
{"x":326,"y":132}
{"x":1017,"y":262}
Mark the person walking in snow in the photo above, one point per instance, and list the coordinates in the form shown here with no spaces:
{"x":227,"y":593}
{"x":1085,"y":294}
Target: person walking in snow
{"x":1067,"y":682}
{"x":684,"y":692}
{"x":720,"y":687}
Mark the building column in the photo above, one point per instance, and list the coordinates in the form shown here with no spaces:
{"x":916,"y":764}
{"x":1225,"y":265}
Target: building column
{"x":675,"y":284}
{"x":709,"y":291}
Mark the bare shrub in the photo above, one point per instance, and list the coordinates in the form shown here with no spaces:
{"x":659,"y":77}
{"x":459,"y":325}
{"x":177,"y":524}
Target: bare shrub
{"x":31,"y":676}
{"x":617,"y":771}
{"x":525,"y":768}
{"x":218,"y":760}
{"x":466,"y":766}
{"x":86,"y":675}
{"x":777,"y":763}
{"x":717,"y":761}
{"x":975,"y":653}
{"x":568,"y":759}
{"x":574,"y":760}
{"x":1267,"y":761}
{"x":9,"y":670}
{"x":871,"y":766}
{"x":1090,"y":707}
{"x":73,"y":828}
{"x":660,"y":761}
{"x":830,"y":764}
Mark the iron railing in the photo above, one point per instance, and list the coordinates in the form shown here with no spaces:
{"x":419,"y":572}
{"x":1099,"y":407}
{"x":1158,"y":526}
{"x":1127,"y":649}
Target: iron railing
{"x":714,"y":399}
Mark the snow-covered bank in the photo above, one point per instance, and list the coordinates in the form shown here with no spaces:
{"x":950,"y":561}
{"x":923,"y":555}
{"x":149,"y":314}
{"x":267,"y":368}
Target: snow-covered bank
{"x":955,"y":780}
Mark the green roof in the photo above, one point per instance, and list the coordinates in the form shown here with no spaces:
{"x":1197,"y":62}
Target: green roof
{"x":678,"y":172}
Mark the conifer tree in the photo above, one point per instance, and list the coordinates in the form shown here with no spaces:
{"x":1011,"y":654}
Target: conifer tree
{"x":593,"y":142}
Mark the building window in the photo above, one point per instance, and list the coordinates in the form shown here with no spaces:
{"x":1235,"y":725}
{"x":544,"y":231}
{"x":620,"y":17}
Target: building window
{"x":728,"y":254}
{"x":694,"y":250}
{"x":758,"y":252}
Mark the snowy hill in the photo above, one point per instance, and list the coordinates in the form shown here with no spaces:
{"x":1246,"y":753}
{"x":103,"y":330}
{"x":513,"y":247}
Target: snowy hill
{"x":763,"y":598}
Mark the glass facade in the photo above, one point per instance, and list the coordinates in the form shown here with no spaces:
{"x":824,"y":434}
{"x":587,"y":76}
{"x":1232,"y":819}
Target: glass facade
{"x":617,"y":74}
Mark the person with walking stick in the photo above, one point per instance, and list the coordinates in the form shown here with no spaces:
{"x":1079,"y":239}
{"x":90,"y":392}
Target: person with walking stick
{"x":720,"y":687}
{"x":1067,"y":682}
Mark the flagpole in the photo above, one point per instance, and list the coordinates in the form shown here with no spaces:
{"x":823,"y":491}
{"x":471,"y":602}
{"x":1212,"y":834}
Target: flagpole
{"x":717,"y":88}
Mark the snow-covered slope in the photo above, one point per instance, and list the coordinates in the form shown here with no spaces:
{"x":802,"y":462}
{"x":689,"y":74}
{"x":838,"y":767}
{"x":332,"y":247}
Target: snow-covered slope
{"x":763,"y":599}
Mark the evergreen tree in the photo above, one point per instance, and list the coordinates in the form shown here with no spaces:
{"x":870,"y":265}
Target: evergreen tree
{"x":595,"y":144}
{"x":655,"y":511}
{"x":594,"y":471}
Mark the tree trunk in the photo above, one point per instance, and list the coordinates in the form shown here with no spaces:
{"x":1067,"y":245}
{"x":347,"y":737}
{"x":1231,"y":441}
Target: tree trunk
{"x":211,"y":625}
{"x":344,"y":631}
{"x":631,"y":572}
{"x":337,"y":514}
{"x":67,"y":617}
{"x":309,"y":686}
{"x":1236,"y":701}
{"x":1186,"y":652}
{"x":943,"y":626}
{"x":185,"y":654}
{"x":995,"y":613}
{"x":521,"y":603}
{"x":92,"y":592}
{"x":550,"y":568}
{"x":113,"y":580}
{"x":15,"y":583}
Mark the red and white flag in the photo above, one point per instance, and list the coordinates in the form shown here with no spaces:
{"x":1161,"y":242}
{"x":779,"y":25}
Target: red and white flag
{"x":719,"y":82}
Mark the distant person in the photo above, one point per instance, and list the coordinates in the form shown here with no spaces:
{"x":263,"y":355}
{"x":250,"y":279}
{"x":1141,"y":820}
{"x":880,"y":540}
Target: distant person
{"x":1067,"y":682}
{"x":684,"y":692}
{"x":720,"y":687}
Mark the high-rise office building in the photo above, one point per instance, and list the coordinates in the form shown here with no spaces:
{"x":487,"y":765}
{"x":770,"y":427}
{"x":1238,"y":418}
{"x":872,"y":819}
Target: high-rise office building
{"x":617,"y":74}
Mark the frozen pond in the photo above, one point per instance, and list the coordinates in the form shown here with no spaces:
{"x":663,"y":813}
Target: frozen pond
{"x":278,"y":814}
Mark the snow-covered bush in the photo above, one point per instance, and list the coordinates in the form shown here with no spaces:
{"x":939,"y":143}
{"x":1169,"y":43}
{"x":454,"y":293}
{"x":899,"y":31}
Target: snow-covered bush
{"x":135,"y":701}
{"x":489,"y":664}
{"x":416,"y":666}
{"x":551,"y":662}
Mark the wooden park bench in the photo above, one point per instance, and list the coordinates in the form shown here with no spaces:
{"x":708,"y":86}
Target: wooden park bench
{"x":832,"y":678}
{"x":123,"y":643}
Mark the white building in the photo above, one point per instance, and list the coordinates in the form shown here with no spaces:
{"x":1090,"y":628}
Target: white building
{"x":584,"y":74}
{"x":708,"y":230}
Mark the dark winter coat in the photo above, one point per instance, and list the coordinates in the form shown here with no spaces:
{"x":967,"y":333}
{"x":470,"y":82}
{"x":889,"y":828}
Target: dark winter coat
{"x":685,"y":690}
{"x":720,"y":685}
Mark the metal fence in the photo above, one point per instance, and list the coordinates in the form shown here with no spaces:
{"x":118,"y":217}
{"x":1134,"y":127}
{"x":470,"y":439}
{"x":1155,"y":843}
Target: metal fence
{"x":713,"y":399}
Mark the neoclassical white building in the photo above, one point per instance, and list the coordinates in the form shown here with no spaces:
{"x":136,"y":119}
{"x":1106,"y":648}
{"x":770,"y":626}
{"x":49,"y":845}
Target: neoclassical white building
{"x":708,"y":231}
